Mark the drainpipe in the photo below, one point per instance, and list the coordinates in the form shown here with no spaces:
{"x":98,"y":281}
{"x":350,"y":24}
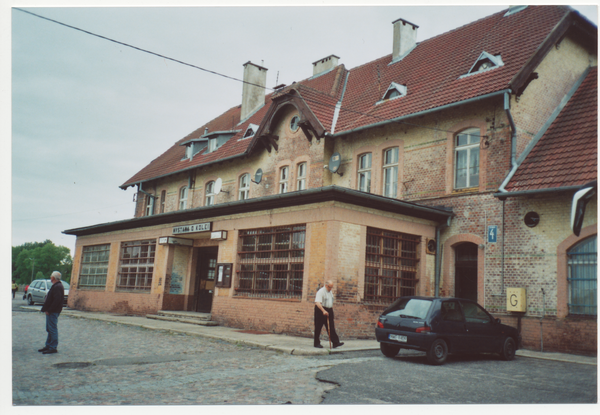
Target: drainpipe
{"x":513,"y":128}
{"x":438,"y":254}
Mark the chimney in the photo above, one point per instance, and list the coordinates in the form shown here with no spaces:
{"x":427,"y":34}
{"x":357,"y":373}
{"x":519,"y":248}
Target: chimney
{"x":325,"y":64}
{"x":253,"y":91}
{"x":405,"y":38}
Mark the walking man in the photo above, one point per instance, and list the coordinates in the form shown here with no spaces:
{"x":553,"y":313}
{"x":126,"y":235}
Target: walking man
{"x":14,"y":288}
{"x":324,"y":315}
{"x":52,"y":307}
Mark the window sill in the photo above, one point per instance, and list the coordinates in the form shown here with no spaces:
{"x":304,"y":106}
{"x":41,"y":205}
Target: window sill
{"x":468,"y":190}
{"x":287,"y":300}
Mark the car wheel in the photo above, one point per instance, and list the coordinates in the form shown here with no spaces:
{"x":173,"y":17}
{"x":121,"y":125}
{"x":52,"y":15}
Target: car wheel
{"x":29,"y":300}
{"x":438,"y":352}
{"x":389,"y":350}
{"x":508,"y":349}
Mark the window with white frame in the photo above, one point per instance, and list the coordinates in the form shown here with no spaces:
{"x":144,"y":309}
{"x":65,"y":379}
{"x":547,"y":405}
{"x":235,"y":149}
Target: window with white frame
{"x":582,"y":261}
{"x":244,"y":190}
{"x":163,"y":196}
{"x":283,"y":179}
{"x":210,"y":194}
{"x":149,"y":205}
{"x":183,"y":195}
{"x":390,"y":172}
{"x":466,"y":159}
{"x":212,"y":145}
{"x":136,"y":265}
{"x":301,"y":177}
{"x":94,"y":267}
{"x":364,"y":173}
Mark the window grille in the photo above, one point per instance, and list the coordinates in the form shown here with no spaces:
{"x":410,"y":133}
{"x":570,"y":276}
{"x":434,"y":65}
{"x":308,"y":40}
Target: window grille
{"x":271,"y":262}
{"x":391,"y":267}
{"x":136,"y":265}
{"x":94,"y":267}
{"x":583,"y":277}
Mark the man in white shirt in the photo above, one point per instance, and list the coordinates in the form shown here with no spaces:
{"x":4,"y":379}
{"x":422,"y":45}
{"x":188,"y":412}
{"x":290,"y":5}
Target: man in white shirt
{"x":324,"y":315}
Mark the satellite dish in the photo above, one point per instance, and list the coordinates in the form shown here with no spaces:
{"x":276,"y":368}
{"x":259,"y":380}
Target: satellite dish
{"x":218,"y":185}
{"x":334,"y":163}
{"x":258,"y":176}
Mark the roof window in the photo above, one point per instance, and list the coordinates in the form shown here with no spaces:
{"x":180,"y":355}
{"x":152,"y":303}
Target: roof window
{"x":394,"y":91}
{"x":514,"y":9}
{"x":193,"y":147}
{"x":485,"y":62}
{"x":250,"y":131}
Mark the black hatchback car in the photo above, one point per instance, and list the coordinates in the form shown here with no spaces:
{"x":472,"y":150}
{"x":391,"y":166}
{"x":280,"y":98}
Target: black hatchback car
{"x":439,"y":326}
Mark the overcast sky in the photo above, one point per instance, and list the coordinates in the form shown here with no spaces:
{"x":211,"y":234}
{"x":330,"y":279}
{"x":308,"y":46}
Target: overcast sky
{"x":87,"y":113}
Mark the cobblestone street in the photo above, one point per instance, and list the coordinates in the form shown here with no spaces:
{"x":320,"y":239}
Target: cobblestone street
{"x":111,"y":364}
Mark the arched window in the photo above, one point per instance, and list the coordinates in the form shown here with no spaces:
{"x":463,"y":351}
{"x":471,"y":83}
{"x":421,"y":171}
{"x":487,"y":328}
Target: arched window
{"x":364,"y":172}
{"x":466,"y":159}
{"x":283,"y":179}
{"x":183,"y":195}
{"x":149,"y":205}
{"x":301,"y":177}
{"x":244,"y":189}
{"x":582,"y":262}
{"x":390,"y":172}
{"x":210,"y":194}
{"x":163,"y":196}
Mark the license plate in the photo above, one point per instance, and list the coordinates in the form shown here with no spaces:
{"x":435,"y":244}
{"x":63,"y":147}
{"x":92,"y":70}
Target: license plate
{"x":398,"y":338}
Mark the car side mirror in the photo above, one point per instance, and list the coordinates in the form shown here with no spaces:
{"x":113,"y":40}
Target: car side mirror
{"x":497,"y":321}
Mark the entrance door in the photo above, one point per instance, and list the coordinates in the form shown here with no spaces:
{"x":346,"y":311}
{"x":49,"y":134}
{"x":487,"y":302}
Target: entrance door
{"x":466,"y":271}
{"x":206,"y":265}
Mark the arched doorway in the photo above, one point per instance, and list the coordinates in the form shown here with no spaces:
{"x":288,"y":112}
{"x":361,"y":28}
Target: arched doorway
{"x":465,"y":275}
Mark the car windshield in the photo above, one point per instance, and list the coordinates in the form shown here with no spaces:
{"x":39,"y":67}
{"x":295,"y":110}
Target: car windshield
{"x":65,"y":285}
{"x":409,"y":308}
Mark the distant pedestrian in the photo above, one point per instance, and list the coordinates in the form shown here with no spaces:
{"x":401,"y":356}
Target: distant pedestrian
{"x":52,"y":307}
{"x":324,"y":316}
{"x":15,"y":287}
{"x":25,"y":292}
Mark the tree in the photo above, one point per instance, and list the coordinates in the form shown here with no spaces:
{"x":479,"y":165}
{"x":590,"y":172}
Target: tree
{"x":40,"y":257}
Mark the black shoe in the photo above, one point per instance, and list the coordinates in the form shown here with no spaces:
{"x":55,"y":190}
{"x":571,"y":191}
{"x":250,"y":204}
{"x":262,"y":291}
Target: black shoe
{"x":318,"y":346}
{"x":49,"y":351}
{"x":43,"y":349}
{"x":338,"y":345}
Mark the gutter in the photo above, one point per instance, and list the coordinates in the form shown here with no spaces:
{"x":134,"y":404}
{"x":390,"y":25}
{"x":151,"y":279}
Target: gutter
{"x":291,"y":199}
{"x":418,"y":114}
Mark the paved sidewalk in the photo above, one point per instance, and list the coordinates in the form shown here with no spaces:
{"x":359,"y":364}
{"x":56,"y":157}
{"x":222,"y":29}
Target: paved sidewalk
{"x":301,"y":346}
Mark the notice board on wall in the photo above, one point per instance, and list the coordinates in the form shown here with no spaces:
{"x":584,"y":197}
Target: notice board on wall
{"x":224,"y":275}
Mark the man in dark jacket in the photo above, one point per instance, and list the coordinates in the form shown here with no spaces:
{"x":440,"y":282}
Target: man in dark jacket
{"x":52,"y":307}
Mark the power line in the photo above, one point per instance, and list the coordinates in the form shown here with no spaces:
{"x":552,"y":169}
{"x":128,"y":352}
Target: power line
{"x":73,"y":213}
{"x":140,"y":49}
{"x":342,"y":108}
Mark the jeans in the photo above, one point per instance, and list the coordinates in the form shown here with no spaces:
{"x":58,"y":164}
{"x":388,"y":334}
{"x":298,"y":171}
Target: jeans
{"x":52,"y":329}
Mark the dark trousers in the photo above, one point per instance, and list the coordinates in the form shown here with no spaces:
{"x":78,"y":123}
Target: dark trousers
{"x":320,"y":321}
{"x":52,"y":329}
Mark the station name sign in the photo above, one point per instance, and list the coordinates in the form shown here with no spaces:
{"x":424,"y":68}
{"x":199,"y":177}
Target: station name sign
{"x":196,"y":227}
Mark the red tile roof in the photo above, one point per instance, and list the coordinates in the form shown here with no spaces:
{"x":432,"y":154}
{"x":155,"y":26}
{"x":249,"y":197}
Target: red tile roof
{"x":431,"y":71}
{"x":567,"y":153}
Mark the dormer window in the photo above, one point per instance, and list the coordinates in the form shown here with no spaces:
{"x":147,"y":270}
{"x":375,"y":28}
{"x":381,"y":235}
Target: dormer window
{"x":212,"y":145}
{"x":250,"y":131}
{"x":485,"y":62}
{"x":395,"y":91}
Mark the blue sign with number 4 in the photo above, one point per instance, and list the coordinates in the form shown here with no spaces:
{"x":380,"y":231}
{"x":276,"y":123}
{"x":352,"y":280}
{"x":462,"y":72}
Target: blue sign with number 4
{"x":492,"y":234}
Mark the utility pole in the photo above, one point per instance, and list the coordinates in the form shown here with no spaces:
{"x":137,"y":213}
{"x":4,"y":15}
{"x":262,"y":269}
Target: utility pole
{"x":32,"y":268}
